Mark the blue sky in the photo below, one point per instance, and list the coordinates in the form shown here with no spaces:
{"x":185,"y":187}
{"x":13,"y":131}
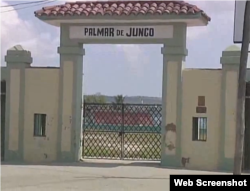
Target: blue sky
{"x":121,"y":69}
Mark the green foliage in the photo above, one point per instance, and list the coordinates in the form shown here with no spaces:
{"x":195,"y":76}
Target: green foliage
{"x":119,"y":99}
{"x":95,"y":99}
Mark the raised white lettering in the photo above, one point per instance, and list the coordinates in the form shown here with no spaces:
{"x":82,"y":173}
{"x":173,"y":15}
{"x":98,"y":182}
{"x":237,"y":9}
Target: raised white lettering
{"x":181,"y":182}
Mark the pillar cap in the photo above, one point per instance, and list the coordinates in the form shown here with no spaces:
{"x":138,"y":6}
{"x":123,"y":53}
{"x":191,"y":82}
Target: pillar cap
{"x":18,"y":55}
{"x":174,"y":50}
{"x":231,"y":55}
{"x":174,"y":53}
{"x":71,"y":50}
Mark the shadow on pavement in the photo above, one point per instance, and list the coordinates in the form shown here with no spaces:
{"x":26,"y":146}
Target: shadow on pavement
{"x":94,"y":164}
{"x":100,"y":163}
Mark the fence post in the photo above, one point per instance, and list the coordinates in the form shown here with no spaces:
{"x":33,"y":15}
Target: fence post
{"x":122,"y":133}
{"x":83,"y":125}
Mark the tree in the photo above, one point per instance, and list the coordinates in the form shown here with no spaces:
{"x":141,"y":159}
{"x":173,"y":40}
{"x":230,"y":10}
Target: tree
{"x":101,"y":99}
{"x":95,"y":99}
{"x":119,"y":99}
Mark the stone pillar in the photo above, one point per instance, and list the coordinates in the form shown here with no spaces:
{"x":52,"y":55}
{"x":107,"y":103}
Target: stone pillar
{"x":173,"y":57}
{"x":230,"y":61}
{"x":70,"y":102}
{"x":17,"y":60}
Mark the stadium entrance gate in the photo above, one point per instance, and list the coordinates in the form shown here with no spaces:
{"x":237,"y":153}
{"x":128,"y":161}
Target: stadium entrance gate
{"x":122,"y":131}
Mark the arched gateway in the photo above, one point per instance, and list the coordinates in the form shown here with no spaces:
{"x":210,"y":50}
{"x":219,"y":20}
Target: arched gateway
{"x":125,"y":22}
{"x":43,"y":113}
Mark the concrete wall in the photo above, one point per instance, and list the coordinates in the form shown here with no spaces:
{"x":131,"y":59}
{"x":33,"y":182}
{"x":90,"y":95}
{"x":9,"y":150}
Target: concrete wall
{"x":202,"y":154}
{"x":56,"y":92}
{"x":41,"y":96}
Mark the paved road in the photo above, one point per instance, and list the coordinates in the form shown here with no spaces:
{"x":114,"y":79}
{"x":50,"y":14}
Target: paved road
{"x":92,"y":175}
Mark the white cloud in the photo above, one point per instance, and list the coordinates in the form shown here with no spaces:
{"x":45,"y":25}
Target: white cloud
{"x":65,"y":1}
{"x":43,"y":45}
{"x":15,"y":30}
{"x":221,"y":13}
{"x":215,"y":6}
{"x":136,"y":57}
{"x":196,"y":32}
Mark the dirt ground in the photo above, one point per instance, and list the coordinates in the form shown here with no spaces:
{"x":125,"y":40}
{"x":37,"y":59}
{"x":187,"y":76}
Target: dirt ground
{"x":89,"y":175}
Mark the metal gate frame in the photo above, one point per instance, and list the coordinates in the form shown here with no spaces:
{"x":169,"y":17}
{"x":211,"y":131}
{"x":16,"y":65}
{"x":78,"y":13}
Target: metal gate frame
{"x":122,"y":131}
{"x":246,"y":160}
{"x":3,"y":104}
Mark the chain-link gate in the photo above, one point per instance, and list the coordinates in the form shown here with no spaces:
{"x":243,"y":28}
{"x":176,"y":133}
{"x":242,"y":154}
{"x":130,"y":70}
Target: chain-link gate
{"x":122,"y":131}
